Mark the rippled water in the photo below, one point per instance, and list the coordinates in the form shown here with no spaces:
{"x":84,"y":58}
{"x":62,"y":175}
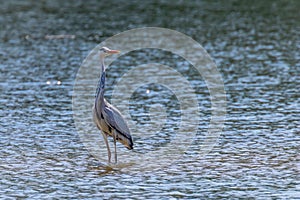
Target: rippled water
{"x":256,"y":48}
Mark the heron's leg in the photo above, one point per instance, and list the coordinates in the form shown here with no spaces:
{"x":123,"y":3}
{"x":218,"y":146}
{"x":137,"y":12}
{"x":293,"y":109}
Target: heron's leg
{"x":115,"y":140}
{"x":107,"y":146}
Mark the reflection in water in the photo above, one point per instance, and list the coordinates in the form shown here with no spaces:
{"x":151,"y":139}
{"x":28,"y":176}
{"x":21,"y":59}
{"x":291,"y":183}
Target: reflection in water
{"x":257,"y":156}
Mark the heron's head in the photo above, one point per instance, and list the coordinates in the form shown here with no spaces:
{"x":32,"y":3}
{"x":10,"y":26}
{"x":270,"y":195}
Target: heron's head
{"x":104,"y":51}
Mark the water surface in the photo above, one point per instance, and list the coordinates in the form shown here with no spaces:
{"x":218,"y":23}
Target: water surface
{"x":256,"y":47}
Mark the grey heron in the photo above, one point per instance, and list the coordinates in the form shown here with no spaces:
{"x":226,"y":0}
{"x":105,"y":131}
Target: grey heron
{"x":108,"y":118}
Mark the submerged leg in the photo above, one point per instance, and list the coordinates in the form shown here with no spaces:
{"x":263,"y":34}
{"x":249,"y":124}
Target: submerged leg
{"x":115,"y":140}
{"x":107,"y":146}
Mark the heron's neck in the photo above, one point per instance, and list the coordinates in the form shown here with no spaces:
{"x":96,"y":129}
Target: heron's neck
{"x":103,"y":68}
{"x":99,"y":100}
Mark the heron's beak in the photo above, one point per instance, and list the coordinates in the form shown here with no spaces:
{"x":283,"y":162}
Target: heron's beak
{"x":113,"y":51}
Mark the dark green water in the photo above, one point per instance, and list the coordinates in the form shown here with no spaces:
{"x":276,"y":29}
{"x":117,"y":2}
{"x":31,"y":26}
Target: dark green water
{"x":255,"y":45}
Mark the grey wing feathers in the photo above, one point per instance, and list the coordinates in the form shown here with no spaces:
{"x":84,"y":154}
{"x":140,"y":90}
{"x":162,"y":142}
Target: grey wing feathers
{"x":115,"y":119}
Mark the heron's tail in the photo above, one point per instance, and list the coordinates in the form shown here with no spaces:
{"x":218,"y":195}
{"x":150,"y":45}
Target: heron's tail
{"x":125,"y":139}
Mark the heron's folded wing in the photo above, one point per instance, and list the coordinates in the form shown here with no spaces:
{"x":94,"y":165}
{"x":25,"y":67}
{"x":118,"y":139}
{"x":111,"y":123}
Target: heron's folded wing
{"x":115,"y":119}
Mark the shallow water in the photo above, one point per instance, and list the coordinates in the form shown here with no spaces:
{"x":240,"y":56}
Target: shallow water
{"x":257,"y":53}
